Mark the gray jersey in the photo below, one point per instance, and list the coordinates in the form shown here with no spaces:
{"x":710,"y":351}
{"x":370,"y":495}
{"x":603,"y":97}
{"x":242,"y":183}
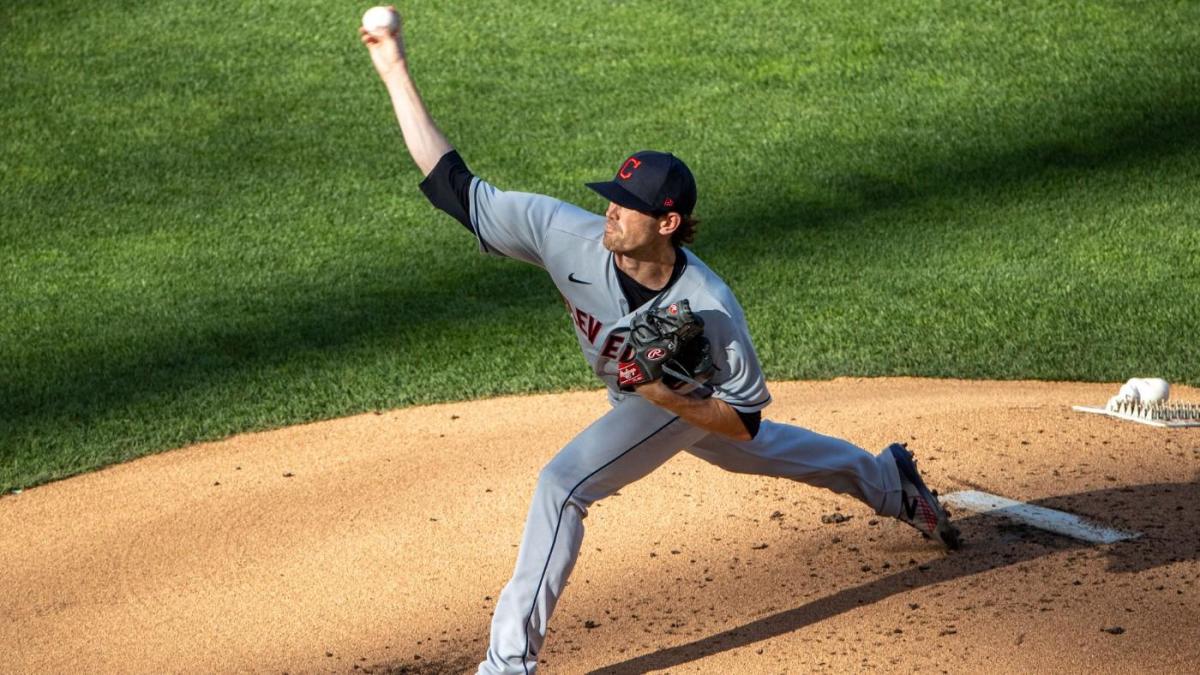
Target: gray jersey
{"x":634,"y":436}
{"x":567,"y":242}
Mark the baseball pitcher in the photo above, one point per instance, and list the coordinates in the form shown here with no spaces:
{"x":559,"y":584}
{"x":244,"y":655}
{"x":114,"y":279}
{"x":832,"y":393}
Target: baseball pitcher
{"x":663,"y":333}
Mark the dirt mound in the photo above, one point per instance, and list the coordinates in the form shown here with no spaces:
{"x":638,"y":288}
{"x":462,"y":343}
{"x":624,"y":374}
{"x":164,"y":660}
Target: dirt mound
{"x":379,"y":543}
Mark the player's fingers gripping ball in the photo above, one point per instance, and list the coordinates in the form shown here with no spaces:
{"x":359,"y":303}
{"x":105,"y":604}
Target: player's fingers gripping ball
{"x":656,"y":337}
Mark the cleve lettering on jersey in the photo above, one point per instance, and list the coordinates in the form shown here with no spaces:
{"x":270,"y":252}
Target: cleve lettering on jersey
{"x":612,"y":345}
{"x":626,"y":353}
{"x":588,"y":325}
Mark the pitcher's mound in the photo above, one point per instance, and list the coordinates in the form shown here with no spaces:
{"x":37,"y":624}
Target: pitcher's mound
{"x":379,"y":543}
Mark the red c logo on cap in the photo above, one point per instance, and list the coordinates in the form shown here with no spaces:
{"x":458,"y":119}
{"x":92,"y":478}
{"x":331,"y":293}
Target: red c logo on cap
{"x":627,"y":168}
{"x":668,"y":202}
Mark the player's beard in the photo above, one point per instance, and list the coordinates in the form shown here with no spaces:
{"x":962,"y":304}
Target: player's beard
{"x":612,"y":239}
{"x":619,"y":243}
{"x":638,"y":239}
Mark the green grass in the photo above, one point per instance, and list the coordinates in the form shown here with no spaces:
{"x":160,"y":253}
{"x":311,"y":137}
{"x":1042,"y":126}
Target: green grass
{"x":210,"y":224}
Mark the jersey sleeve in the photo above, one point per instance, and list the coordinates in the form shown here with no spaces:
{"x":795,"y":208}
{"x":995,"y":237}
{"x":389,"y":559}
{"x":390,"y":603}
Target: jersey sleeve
{"x":739,"y":380}
{"x":511,"y":224}
{"x":448,"y":187}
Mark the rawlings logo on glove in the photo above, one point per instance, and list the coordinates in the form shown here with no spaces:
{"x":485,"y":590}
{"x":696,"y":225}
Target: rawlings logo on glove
{"x":657,"y":337}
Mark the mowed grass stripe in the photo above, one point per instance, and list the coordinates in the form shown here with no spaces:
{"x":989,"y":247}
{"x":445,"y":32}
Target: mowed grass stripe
{"x":210,"y":225}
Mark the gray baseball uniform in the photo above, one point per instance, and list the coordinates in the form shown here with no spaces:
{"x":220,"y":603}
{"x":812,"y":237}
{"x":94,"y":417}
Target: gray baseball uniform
{"x":635,"y":436}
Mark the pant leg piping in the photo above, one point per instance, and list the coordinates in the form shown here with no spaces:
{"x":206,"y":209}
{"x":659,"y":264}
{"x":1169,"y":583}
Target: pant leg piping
{"x":554,"y":540}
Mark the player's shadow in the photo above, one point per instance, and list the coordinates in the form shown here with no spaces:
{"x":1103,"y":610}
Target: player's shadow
{"x":1164,"y":512}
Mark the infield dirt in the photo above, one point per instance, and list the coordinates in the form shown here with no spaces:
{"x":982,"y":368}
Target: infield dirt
{"x":379,"y":543}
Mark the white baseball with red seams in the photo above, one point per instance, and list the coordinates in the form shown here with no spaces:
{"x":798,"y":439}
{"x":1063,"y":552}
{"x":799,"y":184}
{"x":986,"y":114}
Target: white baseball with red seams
{"x":381,"y":18}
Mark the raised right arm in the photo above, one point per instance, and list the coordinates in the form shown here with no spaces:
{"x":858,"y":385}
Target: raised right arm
{"x":425,"y":141}
{"x":509,"y":224}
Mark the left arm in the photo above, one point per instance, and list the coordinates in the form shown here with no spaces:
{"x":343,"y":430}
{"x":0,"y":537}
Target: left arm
{"x":710,"y":414}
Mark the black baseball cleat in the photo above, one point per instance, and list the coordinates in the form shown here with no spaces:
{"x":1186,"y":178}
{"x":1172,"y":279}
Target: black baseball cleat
{"x":919,"y":505}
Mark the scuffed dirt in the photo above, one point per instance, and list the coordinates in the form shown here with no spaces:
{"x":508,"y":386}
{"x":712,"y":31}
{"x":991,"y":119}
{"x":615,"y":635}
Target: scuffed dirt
{"x":379,"y":543}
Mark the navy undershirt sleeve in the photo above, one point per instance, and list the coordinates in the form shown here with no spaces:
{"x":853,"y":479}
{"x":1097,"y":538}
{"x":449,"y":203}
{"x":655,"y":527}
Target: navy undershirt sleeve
{"x":448,"y":187}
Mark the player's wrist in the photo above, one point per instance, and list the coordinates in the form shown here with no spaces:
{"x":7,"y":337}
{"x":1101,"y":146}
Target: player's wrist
{"x":395,"y":72}
{"x":654,"y":391}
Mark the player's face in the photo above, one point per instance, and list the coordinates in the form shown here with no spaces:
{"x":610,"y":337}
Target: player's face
{"x":627,"y":230}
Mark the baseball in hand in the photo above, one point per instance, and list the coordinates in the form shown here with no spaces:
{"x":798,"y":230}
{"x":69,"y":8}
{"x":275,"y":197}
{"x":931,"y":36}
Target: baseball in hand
{"x":380,"y":18}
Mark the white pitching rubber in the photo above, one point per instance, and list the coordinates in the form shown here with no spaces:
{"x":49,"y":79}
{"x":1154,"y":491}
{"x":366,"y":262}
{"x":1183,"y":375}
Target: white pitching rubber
{"x":1059,"y":522}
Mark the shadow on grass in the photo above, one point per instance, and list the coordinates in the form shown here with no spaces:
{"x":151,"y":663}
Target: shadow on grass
{"x":170,"y":361}
{"x":1168,"y":127}
{"x":92,"y":382}
{"x":1164,"y":512}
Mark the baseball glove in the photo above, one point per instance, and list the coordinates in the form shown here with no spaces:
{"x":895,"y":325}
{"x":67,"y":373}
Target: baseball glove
{"x":691,"y":367}
{"x":666,"y":341}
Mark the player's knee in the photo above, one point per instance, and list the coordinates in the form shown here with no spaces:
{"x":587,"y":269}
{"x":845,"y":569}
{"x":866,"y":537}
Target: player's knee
{"x":559,"y":486}
{"x":555,"y":478}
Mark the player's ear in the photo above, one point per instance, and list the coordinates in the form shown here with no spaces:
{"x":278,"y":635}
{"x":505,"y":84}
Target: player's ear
{"x":668,"y":223}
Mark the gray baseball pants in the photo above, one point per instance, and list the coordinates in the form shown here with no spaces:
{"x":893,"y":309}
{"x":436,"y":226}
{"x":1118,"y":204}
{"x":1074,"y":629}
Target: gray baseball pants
{"x":627,"y":443}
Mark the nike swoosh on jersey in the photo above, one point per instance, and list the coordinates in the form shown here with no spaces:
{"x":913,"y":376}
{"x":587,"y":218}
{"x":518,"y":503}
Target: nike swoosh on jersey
{"x":571,"y":277}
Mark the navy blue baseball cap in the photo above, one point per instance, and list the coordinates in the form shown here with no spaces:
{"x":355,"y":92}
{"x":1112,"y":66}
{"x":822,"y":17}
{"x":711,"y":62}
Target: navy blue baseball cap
{"x":651,"y":182}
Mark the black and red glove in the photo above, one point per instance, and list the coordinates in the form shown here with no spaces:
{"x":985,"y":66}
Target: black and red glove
{"x":656,"y":337}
